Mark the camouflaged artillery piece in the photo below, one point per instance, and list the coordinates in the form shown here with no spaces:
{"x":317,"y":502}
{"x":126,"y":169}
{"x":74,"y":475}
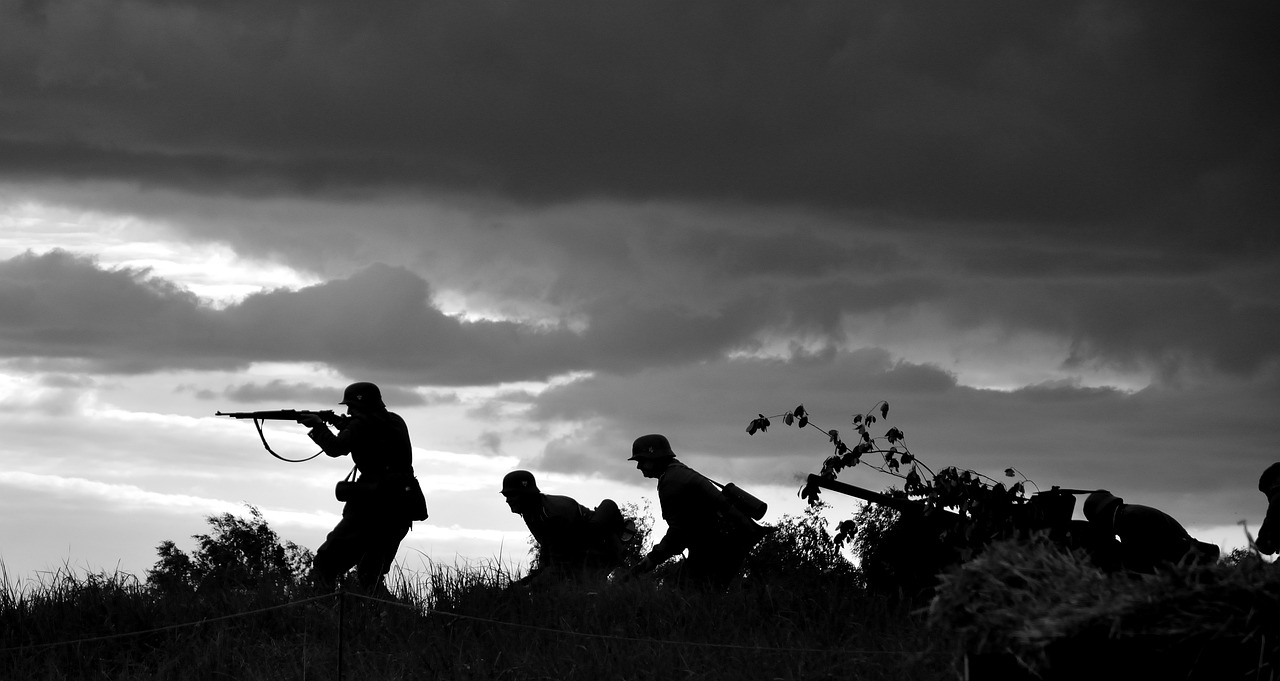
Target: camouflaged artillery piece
{"x":925,"y":536}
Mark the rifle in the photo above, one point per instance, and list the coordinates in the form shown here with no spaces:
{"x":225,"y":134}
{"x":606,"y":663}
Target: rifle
{"x":328,"y":416}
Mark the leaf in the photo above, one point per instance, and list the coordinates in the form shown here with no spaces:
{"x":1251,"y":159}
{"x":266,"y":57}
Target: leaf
{"x":893,"y":435}
{"x":908,"y":457}
{"x":833,"y":435}
{"x":788,"y":418}
{"x":1009,"y":472}
{"x":804,"y":421}
{"x":893,"y":464}
{"x":870,"y":420}
{"x":764,"y":423}
{"x":751,"y":428}
{"x":800,"y":411}
{"x":810,"y":493}
{"x":884,"y":410}
{"x":857,"y":418}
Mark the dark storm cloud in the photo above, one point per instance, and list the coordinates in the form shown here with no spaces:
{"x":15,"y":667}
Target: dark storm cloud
{"x":378,"y":324}
{"x":1146,"y":112}
{"x":1127,"y":321}
{"x":381,"y":324}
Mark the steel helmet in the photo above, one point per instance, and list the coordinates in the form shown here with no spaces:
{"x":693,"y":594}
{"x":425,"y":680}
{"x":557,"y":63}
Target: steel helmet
{"x":363,"y":394}
{"x":1100,"y":507}
{"x":1270,"y":478}
{"x":519,"y":482}
{"x":648,"y":447}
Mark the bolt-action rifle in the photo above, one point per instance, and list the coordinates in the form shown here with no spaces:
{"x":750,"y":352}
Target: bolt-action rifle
{"x":328,"y":416}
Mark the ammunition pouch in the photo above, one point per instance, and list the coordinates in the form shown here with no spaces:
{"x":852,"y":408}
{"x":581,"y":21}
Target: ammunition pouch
{"x":406,"y":497}
{"x":350,"y":490}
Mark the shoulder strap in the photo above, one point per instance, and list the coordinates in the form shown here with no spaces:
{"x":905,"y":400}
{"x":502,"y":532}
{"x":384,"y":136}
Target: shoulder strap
{"x":258,"y":424}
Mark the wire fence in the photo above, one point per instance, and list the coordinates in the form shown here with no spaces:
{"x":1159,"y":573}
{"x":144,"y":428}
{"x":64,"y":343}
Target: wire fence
{"x":342,"y":595}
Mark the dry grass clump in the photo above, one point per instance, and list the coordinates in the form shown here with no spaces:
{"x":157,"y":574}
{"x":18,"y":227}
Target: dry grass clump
{"x":1032,"y":608}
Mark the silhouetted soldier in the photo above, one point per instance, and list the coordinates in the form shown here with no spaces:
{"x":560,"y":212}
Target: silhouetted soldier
{"x":1148,"y":537}
{"x":699,"y":518}
{"x":573,"y":540}
{"x":1269,"y":536}
{"x":374,"y":518}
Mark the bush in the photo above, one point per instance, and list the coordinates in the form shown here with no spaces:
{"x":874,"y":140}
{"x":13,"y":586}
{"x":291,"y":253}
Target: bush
{"x":800,"y":547}
{"x":238,"y":553}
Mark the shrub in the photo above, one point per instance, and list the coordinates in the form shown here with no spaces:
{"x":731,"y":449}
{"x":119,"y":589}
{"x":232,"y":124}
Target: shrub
{"x":238,"y":553}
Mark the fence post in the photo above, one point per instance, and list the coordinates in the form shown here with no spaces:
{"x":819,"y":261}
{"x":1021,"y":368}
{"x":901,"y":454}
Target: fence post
{"x":342,"y":603}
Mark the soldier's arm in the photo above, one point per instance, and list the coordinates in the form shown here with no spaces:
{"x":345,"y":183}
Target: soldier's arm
{"x":336,"y":445}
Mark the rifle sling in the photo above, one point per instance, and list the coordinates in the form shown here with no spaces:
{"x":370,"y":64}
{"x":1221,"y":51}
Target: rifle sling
{"x":257,"y":423}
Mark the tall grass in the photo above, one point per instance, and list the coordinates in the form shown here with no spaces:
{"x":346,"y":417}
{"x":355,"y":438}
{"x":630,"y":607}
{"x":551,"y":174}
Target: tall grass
{"x":462,"y":622}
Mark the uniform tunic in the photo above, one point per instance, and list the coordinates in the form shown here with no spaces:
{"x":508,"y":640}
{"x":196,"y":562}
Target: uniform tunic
{"x":700,"y":520}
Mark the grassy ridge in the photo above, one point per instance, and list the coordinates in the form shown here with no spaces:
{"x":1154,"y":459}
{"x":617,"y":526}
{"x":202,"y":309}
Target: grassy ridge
{"x":463,"y":623}
{"x":1030,"y":610}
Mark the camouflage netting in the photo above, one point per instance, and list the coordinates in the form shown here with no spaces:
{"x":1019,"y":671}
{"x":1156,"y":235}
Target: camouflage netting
{"x":1032,"y":609}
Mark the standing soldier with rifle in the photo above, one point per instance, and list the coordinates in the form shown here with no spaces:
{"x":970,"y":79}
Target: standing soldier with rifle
{"x":381,"y":503}
{"x":699,"y":518}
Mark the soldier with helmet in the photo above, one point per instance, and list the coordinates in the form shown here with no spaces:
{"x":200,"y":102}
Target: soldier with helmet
{"x":1148,"y":537}
{"x":699,"y":519}
{"x":1269,"y":535}
{"x":375,"y":517}
{"x":573,"y":541}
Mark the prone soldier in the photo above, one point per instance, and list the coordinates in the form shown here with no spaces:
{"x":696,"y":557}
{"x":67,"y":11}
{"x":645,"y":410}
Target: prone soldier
{"x":1148,"y":537}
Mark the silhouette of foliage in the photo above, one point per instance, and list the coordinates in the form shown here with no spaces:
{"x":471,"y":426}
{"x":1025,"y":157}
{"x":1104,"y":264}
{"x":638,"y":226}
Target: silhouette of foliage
{"x":640,"y":517}
{"x":237,"y":553}
{"x":799,"y":547}
{"x":957,"y":511}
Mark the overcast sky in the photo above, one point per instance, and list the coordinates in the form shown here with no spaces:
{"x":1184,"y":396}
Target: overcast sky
{"x":1046,"y":234}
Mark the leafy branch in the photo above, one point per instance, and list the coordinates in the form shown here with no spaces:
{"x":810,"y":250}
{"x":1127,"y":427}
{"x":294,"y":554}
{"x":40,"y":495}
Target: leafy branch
{"x":950,"y":487}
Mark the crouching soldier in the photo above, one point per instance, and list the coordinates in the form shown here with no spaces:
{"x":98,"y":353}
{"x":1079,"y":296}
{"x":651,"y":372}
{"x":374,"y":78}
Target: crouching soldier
{"x":573,"y":541}
{"x":1269,"y":536}
{"x":1148,"y":537}
{"x":699,"y":518}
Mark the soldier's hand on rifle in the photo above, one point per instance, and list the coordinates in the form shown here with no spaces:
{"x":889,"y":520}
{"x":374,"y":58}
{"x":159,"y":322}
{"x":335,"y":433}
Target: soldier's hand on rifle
{"x":311,"y":420}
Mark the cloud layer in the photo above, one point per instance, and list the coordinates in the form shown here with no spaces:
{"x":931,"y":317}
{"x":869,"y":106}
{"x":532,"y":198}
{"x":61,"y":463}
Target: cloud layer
{"x":1079,"y":114}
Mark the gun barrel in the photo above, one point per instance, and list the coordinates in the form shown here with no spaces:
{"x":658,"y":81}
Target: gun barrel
{"x":901,"y":505}
{"x":280,"y":415}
